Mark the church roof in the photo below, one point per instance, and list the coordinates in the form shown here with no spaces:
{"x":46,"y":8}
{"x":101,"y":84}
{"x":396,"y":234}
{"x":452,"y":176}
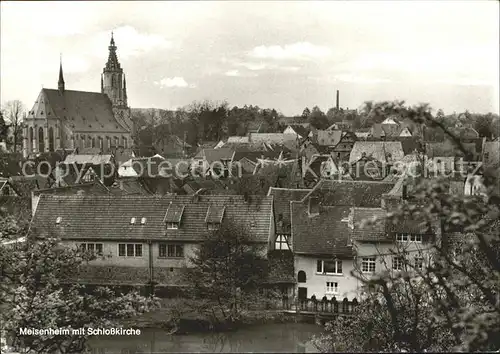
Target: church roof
{"x":81,"y":111}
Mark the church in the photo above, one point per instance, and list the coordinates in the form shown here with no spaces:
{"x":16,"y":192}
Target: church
{"x":69,"y":119}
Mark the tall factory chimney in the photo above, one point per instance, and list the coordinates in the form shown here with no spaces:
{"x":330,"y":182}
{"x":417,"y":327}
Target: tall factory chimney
{"x":338,"y":100}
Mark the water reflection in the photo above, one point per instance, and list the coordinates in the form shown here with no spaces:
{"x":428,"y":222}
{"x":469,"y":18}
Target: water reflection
{"x":264,"y":338}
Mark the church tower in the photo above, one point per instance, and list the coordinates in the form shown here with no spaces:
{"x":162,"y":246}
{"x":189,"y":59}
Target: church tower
{"x":114,"y":85}
{"x":113,"y":80}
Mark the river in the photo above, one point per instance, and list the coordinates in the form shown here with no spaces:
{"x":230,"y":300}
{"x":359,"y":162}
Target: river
{"x":288,"y":337}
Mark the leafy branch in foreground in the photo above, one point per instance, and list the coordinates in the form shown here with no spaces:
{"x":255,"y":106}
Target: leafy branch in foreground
{"x":37,"y":293}
{"x":452,"y":303}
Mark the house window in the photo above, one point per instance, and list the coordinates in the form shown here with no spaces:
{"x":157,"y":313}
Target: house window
{"x":281,"y":243}
{"x":329,"y":267}
{"x":170,"y":251}
{"x":172,"y":225}
{"x":368,"y":265}
{"x":132,"y":221}
{"x":404,"y":237}
{"x":213,"y":226}
{"x":58,"y":220}
{"x":332,"y":287}
{"x":143,"y":221}
{"x":92,"y":247}
{"x":124,"y":142}
{"x":130,"y":250}
{"x":301,"y":276}
{"x":397,"y":263}
{"x":419,"y":263}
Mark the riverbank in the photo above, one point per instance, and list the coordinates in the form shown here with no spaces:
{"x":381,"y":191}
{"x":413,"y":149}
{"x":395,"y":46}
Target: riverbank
{"x":174,"y":316}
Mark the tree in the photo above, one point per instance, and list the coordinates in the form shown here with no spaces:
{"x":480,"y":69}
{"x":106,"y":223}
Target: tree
{"x":306,"y":113}
{"x":4,"y":128}
{"x":13,"y":111}
{"x":318,"y":119}
{"x":37,"y":291}
{"x":452,"y":303}
{"x":228,"y":271}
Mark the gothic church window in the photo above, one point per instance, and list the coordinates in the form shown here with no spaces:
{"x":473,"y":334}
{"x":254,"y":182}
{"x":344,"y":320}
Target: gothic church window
{"x":51,"y":139}
{"x":41,"y":142}
{"x":30,"y":142}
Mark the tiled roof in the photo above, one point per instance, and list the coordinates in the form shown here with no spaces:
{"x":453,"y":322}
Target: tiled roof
{"x":301,"y":129}
{"x":373,"y":231}
{"x":327,"y":137}
{"x":383,"y":151}
{"x":79,"y":110}
{"x":174,"y":213}
{"x":323,"y":234}
{"x":492,"y":149}
{"x":128,"y":186}
{"x":88,"y":159}
{"x":91,"y":188}
{"x":213,"y":155}
{"x":238,"y":139}
{"x":448,"y":149}
{"x":109,"y":217}
{"x":350,"y":193}
{"x":272,"y":138}
{"x":215,"y":214}
{"x":255,"y":155}
{"x":282,"y":198}
{"x":194,"y":185}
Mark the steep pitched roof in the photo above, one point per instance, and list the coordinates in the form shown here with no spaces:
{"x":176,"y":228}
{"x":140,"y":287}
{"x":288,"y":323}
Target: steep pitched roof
{"x":213,"y":155}
{"x":350,"y":193}
{"x":373,"y":231}
{"x":282,"y":198}
{"x":383,"y":151}
{"x":238,"y":139}
{"x":109,"y":217}
{"x":301,"y":129}
{"x":327,"y":137}
{"x":272,"y":138}
{"x":324,"y":234}
{"x":88,"y":159}
{"x":79,"y":110}
{"x":491,"y":153}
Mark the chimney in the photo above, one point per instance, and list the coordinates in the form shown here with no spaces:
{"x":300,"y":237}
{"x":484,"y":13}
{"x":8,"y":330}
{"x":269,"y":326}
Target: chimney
{"x":313,"y":206}
{"x":338,"y":103}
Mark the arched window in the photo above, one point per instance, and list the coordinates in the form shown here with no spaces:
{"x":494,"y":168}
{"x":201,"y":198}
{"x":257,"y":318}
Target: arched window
{"x":125,"y":142}
{"x":30,"y":140}
{"x":301,"y":276}
{"x":41,"y":141}
{"x":51,"y":139}
{"x":75,"y":139}
{"x":117,"y":141}
{"x":93,"y":142}
{"x":89,"y":142}
{"x":101,"y":143}
{"x":108,"y":143}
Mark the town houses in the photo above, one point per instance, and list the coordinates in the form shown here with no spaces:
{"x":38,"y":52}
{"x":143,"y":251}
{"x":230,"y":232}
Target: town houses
{"x":302,"y":192}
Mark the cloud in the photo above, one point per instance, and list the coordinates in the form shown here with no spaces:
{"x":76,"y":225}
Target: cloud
{"x":130,"y":42}
{"x":173,"y":82}
{"x":237,"y":73}
{"x":232,"y":73}
{"x":349,"y":77}
{"x":298,"y":51}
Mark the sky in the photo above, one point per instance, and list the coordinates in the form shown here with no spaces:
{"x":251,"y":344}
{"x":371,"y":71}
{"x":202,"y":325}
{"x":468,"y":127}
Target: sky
{"x":286,"y":55}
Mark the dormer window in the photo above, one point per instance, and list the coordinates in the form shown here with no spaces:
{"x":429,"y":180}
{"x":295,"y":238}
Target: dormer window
{"x":143,"y":221}
{"x":213,"y":226}
{"x":58,"y":220}
{"x":214,"y":216}
{"x":172,"y":225}
{"x":132,"y":221}
{"x":173,"y":216}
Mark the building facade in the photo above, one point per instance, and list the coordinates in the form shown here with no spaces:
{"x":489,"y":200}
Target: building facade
{"x":70,"y":119}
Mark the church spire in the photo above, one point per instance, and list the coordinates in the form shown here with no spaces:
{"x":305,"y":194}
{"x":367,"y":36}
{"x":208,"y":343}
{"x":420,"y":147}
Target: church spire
{"x":60,"y":83}
{"x":124,"y":90}
{"x":112,"y":64}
